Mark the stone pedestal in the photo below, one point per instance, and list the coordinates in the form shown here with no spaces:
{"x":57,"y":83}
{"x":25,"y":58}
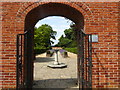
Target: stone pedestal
{"x":56,"y":58}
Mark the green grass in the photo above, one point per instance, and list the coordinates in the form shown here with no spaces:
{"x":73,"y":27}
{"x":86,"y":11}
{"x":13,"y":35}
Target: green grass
{"x":73,"y":50}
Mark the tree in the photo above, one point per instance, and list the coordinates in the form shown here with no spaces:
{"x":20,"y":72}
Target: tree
{"x":42,"y":36}
{"x":63,"y":41}
{"x":69,"y":33}
{"x":69,"y":39}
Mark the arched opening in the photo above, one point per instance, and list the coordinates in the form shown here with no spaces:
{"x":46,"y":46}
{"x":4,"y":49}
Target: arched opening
{"x":38,"y":13}
{"x":64,"y":73}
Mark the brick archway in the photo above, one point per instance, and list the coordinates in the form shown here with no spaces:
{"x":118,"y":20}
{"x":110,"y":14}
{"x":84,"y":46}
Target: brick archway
{"x":100,"y":18}
{"x":81,"y":7}
{"x":40,"y":12}
{"x":25,"y":8}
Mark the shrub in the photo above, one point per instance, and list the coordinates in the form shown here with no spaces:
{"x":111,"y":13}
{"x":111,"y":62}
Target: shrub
{"x":73,"y":50}
{"x":40,"y":50}
{"x":65,"y":54}
{"x":49,"y":53}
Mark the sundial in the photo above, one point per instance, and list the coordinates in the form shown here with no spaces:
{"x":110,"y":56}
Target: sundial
{"x":56,"y":63}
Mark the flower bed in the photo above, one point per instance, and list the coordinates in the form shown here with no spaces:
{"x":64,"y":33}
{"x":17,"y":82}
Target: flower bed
{"x":63,"y":53}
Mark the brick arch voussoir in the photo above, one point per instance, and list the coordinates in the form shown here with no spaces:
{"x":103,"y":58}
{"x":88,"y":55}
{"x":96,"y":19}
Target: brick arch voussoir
{"x":28,"y":6}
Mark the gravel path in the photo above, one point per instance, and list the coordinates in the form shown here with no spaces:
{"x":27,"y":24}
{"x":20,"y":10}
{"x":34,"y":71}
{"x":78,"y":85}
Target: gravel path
{"x":45,"y":77}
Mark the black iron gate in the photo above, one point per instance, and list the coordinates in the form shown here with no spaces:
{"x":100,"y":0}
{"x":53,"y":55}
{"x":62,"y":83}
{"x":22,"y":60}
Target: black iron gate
{"x":24,"y":75}
{"x":84,"y":60}
{"x":20,"y":64}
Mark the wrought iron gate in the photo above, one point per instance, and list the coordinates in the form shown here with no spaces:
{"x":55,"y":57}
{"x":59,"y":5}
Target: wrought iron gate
{"x":84,"y":60}
{"x":20,"y":65}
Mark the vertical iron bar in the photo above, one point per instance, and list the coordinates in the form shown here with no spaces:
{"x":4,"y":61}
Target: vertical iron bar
{"x":90,"y":59}
{"x":81,"y":52}
{"x":85,"y":61}
{"x":82,"y":60}
{"x":88,"y":84}
{"x":78,"y":58}
{"x":25,"y":57}
{"x":21,"y":62}
{"x":17,"y":65}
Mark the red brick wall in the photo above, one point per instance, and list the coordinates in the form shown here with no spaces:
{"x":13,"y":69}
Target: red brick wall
{"x":100,"y":19}
{"x":105,"y":52}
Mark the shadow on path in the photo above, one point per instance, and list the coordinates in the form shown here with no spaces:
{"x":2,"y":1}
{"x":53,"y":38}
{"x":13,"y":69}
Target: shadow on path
{"x":55,"y":83}
{"x":44,"y":59}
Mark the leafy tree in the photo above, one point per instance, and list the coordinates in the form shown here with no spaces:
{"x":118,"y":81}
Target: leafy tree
{"x":42,"y":36}
{"x":63,"y":41}
{"x":69,"y":39}
{"x":69,"y":33}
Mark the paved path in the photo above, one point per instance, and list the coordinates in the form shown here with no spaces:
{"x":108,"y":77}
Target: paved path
{"x":45,"y":77}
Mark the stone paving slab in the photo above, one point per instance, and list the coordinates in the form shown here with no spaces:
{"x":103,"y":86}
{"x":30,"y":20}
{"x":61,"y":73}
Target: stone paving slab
{"x":45,"y":77}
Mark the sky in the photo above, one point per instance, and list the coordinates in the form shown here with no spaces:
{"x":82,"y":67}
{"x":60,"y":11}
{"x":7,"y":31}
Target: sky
{"x":57,"y":23}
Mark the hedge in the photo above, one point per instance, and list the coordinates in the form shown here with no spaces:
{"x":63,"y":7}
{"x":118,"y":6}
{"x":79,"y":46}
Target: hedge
{"x":73,"y":50}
